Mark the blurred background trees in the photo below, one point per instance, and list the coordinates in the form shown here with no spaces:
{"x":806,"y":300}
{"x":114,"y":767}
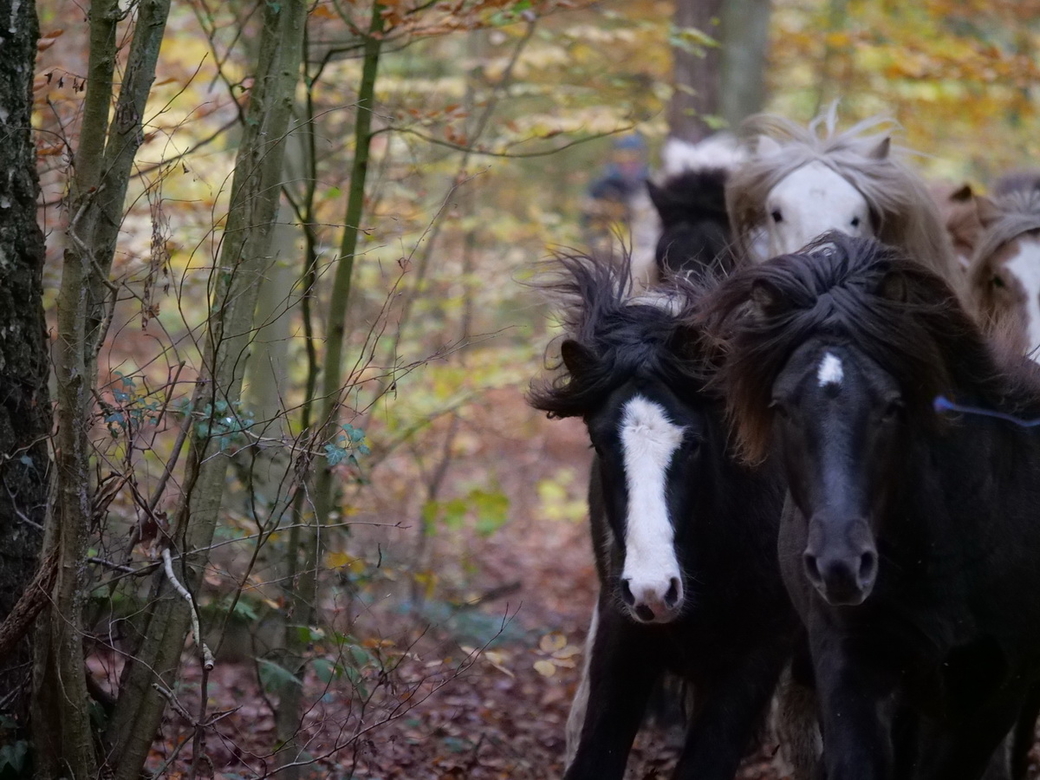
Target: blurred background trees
{"x":296,"y":490}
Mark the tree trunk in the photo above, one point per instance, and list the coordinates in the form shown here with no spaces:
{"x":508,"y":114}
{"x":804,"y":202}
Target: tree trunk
{"x":745,"y":44}
{"x":694,"y":107}
{"x":245,"y":253}
{"x":25,"y":416}
{"x":104,"y":159}
{"x":720,"y":85}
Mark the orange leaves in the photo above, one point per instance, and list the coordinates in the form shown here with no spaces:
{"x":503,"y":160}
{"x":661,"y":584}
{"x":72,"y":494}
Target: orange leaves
{"x":48,"y":39}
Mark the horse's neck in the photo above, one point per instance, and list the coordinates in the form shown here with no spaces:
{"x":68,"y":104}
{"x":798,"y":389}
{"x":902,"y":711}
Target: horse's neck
{"x":960,"y":481}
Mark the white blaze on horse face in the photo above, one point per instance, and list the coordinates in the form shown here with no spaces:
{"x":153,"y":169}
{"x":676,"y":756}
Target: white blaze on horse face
{"x":649,"y":441}
{"x":1024,"y":265}
{"x":830,"y":372}
{"x":809,"y":202}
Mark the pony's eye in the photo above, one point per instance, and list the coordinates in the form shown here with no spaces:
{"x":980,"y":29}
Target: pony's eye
{"x":855,"y":222}
{"x":997,"y":282}
{"x":779,"y":409}
{"x":892,"y":411}
{"x":777,"y":216}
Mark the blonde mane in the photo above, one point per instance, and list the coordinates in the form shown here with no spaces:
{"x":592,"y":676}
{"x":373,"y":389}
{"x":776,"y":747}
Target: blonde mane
{"x":900,"y":204}
{"x":1007,"y":217}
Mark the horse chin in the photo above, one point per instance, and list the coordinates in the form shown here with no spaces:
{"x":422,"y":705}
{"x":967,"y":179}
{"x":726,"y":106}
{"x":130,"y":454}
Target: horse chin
{"x":844,"y":597}
{"x":658,"y":619}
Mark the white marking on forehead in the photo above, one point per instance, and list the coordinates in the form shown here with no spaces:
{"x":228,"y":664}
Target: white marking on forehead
{"x":648,"y":441}
{"x":813,"y":200}
{"x":1024,"y":265}
{"x":830,"y":372}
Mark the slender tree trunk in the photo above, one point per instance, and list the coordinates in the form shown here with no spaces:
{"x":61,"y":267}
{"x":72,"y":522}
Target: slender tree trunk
{"x":25,"y":415}
{"x":332,"y":382}
{"x":695,"y":75}
{"x":103,"y":165}
{"x":745,"y":46}
{"x":306,"y":543}
{"x":245,"y":253}
{"x":723,"y":84}
{"x":837,"y":15}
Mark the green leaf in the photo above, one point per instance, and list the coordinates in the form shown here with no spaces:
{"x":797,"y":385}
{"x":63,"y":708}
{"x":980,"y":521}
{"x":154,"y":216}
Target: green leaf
{"x":492,"y":510}
{"x":274,"y":676}
{"x":326,"y":670}
{"x":361,"y":656}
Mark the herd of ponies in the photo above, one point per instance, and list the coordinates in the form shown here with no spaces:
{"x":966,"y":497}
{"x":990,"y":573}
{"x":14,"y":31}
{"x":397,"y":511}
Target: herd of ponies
{"x":813,"y":499}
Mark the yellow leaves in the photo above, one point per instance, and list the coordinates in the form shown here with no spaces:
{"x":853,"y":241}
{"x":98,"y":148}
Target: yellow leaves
{"x":551,"y":643}
{"x":343,"y":560}
{"x":559,"y":499}
{"x":559,"y":654}
{"x":545,"y":668}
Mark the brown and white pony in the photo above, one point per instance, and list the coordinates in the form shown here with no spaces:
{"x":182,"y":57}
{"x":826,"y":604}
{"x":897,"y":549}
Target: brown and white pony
{"x":801,"y":182}
{"x":1004,"y":274}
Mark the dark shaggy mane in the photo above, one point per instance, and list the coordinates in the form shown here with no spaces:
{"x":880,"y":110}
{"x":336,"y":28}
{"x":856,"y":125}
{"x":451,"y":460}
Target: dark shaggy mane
{"x":611,"y":337}
{"x":903,"y":316}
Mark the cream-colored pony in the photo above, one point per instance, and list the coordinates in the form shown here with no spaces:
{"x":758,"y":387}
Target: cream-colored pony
{"x":799,"y":183}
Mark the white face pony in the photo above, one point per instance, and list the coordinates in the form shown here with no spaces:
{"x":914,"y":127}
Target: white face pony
{"x":802,"y":182}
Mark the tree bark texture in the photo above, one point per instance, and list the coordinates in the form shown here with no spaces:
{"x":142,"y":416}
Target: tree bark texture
{"x":695,"y":78}
{"x":103,"y":164}
{"x":727,"y":83}
{"x":25,"y":414}
{"x":245,"y":254}
{"x":745,"y":44}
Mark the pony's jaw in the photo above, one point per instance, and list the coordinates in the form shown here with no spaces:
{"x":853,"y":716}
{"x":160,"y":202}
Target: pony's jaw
{"x":811,"y":201}
{"x":1024,"y":267}
{"x":651,"y":581}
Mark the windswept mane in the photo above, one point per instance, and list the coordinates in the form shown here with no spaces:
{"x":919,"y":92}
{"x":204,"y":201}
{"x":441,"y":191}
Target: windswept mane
{"x":860,"y":292}
{"x":899,"y":201}
{"x":1017,"y":181}
{"x":1009,"y":216}
{"x":610,"y":338}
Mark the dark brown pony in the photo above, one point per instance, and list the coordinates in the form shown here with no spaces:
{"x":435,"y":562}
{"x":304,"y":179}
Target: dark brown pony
{"x":910,"y":542}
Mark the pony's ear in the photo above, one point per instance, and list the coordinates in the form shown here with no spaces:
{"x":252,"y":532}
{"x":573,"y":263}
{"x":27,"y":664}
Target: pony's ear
{"x":986,"y":210}
{"x":881,"y":150}
{"x":658,"y":196}
{"x":762,"y":300}
{"x":767,"y":145}
{"x":576,"y":357}
{"x":895,"y":288}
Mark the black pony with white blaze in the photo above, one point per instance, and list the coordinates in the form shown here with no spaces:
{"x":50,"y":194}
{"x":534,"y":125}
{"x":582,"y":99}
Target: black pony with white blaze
{"x":910,"y":544}
{"x":684,"y":535}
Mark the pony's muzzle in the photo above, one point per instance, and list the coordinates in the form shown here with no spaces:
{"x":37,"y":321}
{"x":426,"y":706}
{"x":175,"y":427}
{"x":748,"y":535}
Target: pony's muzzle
{"x":842,"y":568}
{"x":657,"y":600}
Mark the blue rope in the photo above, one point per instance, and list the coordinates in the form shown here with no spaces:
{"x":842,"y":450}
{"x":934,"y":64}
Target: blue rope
{"x":944,"y":404}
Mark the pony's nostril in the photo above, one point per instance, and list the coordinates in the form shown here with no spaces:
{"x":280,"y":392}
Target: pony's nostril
{"x":867,"y":566}
{"x":671,"y":598}
{"x":645,"y":613}
{"x":812,"y":568}
{"x":626,"y":593}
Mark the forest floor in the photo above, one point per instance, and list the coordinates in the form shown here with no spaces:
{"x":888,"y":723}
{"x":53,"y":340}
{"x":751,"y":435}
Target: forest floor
{"x":481,"y":692}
